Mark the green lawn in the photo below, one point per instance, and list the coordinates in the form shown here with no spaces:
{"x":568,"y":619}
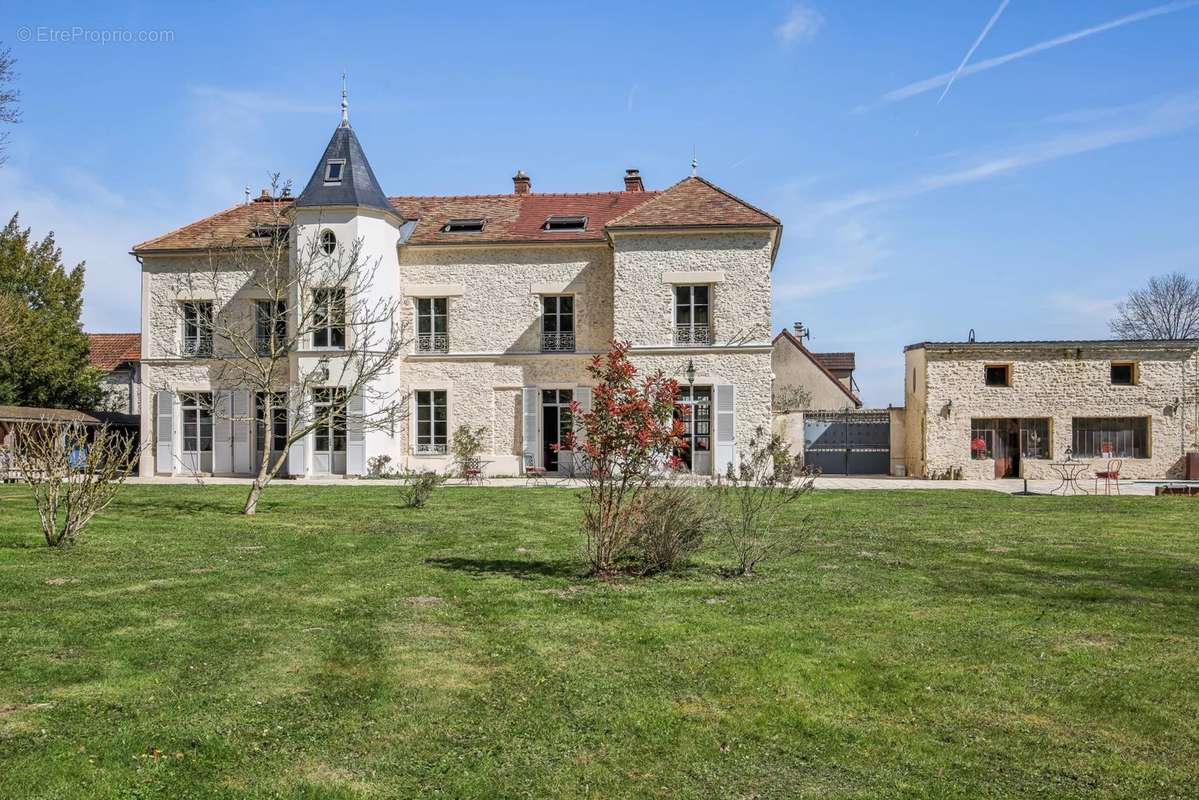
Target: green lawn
{"x":926,"y":644}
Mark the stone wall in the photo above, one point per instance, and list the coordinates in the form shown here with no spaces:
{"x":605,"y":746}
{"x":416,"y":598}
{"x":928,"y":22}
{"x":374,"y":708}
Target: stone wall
{"x":795,"y":372}
{"x":644,"y":297}
{"x":494,"y":294}
{"x":1058,"y":384}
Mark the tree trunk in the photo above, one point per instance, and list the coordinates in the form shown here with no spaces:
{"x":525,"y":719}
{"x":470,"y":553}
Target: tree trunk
{"x":251,"y":506}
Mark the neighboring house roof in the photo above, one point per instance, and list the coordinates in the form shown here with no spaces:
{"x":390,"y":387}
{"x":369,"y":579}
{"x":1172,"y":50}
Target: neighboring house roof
{"x":509,"y":217}
{"x":694,"y":202}
{"x":1054,"y":344}
{"x":27,"y":414}
{"x":790,"y":337}
{"x":356,"y":184}
{"x":836,"y":361}
{"x":107,"y":351}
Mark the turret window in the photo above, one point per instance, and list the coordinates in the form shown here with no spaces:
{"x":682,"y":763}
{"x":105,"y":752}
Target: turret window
{"x":333,"y":170}
{"x":328,"y":242}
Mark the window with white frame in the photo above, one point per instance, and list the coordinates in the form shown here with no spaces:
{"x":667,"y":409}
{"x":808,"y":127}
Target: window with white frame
{"x":334,"y":168}
{"x":558,"y":323}
{"x":432,"y":333}
{"x":270,"y":326}
{"x":196,"y":409}
{"x":692,"y":315}
{"x":329,"y":406}
{"x":197,"y":327}
{"x":329,"y":318}
{"x":431,"y":421}
{"x":271,"y":407}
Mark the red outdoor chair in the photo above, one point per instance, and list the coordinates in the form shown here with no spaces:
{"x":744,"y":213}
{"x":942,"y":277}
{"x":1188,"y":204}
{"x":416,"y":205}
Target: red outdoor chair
{"x":1108,"y":476}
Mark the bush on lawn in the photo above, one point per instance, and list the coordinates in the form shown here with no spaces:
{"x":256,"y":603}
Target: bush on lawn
{"x":670,"y":521}
{"x":418,"y":485}
{"x":73,"y":473}
{"x":379,"y":467}
{"x":623,"y":442}
{"x":751,"y":496}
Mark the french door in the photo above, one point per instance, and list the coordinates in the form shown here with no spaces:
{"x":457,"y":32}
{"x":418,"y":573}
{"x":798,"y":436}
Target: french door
{"x":270,"y":421}
{"x":196,"y":453}
{"x":694,"y":408}
{"x":555,"y":425}
{"x":329,"y":438}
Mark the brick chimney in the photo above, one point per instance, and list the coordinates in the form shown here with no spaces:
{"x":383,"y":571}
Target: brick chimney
{"x":521,"y":183}
{"x":632,"y":181}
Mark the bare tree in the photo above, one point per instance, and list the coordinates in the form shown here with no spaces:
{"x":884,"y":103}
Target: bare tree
{"x":72,"y":475}
{"x":1168,"y":308}
{"x":265,"y":304}
{"x":8,"y":98}
{"x":751,"y":496}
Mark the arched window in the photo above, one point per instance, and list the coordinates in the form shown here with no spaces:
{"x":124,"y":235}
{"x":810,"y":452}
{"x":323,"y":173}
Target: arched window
{"x":328,"y":242}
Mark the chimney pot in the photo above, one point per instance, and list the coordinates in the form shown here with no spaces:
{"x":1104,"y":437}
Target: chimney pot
{"x":799,"y":330}
{"x":521,"y":183}
{"x":266,"y":195}
{"x":632,"y":181}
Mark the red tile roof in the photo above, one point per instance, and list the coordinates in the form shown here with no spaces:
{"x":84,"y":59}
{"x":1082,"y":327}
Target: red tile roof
{"x":108,"y":350}
{"x":836,"y":361}
{"x":694,"y":202}
{"x":510,"y":217}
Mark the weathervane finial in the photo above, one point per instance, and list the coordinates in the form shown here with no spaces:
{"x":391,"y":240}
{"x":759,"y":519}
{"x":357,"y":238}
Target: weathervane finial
{"x":345,"y":103}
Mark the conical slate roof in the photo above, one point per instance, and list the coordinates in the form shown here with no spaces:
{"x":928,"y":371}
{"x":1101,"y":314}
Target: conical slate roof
{"x":357,"y":186}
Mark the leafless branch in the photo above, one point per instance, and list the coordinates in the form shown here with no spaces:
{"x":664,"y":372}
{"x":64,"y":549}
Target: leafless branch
{"x":73,"y":473}
{"x":1168,"y":308}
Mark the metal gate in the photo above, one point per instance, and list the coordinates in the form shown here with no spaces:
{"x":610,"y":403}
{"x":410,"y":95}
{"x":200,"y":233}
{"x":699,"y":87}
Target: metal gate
{"x":848,"y":442}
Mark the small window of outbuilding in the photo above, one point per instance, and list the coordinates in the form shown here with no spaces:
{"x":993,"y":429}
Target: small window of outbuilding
{"x":559,"y":222}
{"x":333,"y":170}
{"x":472,"y":225}
{"x":999,"y":375}
{"x":1124,"y":373}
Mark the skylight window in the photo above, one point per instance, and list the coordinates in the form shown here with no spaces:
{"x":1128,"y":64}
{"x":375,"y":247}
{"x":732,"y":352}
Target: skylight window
{"x":559,"y":222}
{"x":471,"y":225}
{"x":333,"y":170}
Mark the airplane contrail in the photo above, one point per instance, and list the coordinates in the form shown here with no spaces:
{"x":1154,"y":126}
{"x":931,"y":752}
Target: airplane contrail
{"x":973,"y":47}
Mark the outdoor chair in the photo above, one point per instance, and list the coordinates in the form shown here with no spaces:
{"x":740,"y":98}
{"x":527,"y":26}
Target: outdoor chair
{"x":1109,"y":476}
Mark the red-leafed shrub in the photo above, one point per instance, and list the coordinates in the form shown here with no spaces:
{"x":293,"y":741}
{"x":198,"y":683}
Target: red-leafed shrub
{"x":623,"y":443}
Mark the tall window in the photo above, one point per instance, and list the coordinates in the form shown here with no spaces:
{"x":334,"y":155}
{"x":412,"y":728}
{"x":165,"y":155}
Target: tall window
{"x":694,"y":408}
{"x":1111,"y":437}
{"x":330,"y":404}
{"x":272,"y":407}
{"x":270,"y":326}
{"x":432,"y":333}
{"x":1034,"y":438}
{"x":558,"y":323}
{"x":329,"y":318}
{"x":197,"y":422}
{"x":431,"y":422}
{"x":197,"y":328}
{"x":692,"y":320}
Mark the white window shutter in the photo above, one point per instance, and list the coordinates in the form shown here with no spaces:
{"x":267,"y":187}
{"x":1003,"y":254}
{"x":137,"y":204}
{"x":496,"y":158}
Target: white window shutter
{"x":297,"y":461}
{"x":355,"y":435}
{"x":164,"y":454}
{"x":583,"y":396}
{"x":242,"y":447}
{"x":726,"y":428}
{"x":529,"y":395}
{"x":222,"y":432}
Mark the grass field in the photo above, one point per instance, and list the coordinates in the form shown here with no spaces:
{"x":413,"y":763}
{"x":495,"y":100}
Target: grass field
{"x":925,"y":644}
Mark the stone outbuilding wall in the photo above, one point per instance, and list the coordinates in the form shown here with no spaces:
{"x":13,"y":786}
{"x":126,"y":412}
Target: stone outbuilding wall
{"x":946,"y":390}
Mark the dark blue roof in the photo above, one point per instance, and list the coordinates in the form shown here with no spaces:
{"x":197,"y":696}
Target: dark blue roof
{"x":357,"y":187}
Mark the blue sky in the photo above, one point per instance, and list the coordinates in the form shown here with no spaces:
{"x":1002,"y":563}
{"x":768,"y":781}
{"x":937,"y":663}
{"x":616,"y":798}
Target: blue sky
{"x":1023,"y":204}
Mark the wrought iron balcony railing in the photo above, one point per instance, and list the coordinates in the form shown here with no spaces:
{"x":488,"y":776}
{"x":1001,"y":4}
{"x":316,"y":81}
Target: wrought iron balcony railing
{"x":431,"y":448}
{"x":692,"y":335}
{"x":433,"y":343}
{"x":197,"y":347}
{"x":558,"y":342}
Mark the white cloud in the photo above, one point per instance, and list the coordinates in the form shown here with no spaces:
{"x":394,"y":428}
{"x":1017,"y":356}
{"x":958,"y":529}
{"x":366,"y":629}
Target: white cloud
{"x":800,"y":26}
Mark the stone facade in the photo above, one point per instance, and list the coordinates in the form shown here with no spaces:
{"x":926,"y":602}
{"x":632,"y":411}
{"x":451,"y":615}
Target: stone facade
{"x":946,"y":390}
